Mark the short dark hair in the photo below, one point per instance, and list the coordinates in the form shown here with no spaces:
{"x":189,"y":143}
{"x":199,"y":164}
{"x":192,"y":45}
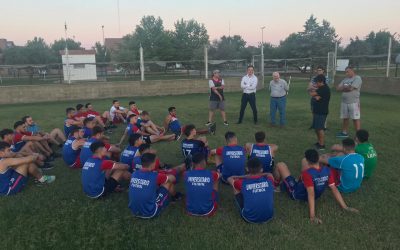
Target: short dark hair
{"x":254,"y":165}
{"x":250,"y":66}
{"x":24,"y":118}
{"x":171,"y":108}
{"x":87,"y":120}
{"x":97,"y":130}
{"x":349,"y":67}
{"x":320,"y":67}
{"x":5,"y":132}
{"x":73,"y":129}
{"x":68,"y":110}
{"x":259,"y":136}
{"x":348,"y":144}
{"x":79,"y":106}
{"x":311,"y":155}
{"x":129,"y":117}
{"x":198,"y":158}
{"x":362,"y":135}
{"x":188,"y":129}
{"x":114,"y":101}
{"x":229,"y":136}
{"x":148,"y":159}
{"x":320,"y":78}
{"x":96,"y":145}
{"x":4,"y":145}
{"x":18,"y":123}
{"x":87,"y":104}
{"x":131,"y":102}
{"x":133,"y":138}
{"x":144,"y":113}
{"x":144,"y":147}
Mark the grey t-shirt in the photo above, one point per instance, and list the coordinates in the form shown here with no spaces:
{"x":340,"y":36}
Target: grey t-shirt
{"x":279,"y":88}
{"x":354,"y":95}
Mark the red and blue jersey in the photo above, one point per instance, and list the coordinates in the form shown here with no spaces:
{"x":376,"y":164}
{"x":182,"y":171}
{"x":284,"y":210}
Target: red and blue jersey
{"x":86,"y":153}
{"x":93,"y":176}
{"x":69,"y":154}
{"x":5,"y":180}
{"x":143,"y":192}
{"x":132,"y":129}
{"x":192,"y":146}
{"x":87,"y":132}
{"x":312,"y":177}
{"x":174,"y":125}
{"x":137,"y":163}
{"x":200,"y":194}
{"x":233,"y":160}
{"x":258,"y":198}
{"x":263,"y":153}
{"x":128,"y":154}
{"x":18,"y":141}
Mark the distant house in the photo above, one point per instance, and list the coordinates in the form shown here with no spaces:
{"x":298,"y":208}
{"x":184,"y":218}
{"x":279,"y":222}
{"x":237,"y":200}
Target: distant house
{"x":80,"y":65}
{"x":112,"y":44}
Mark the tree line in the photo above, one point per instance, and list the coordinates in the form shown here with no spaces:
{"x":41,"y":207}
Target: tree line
{"x":187,"y":41}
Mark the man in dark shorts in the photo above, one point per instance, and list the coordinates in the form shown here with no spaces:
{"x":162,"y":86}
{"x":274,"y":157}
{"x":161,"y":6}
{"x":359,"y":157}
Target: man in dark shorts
{"x":322,"y":96}
{"x":217,"y":99}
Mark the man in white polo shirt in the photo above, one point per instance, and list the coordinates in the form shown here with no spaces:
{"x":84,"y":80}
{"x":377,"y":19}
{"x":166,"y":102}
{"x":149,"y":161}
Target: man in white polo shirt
{"x":279,"y":89}
{"x":249,"y":86}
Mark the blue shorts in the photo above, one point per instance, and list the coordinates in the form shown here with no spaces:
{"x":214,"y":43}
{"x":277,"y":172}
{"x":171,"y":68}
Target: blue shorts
{"x":295,"y":189}
{"x":319,"y":121}
{"x":16,"y":183}
{"x":162,"y":200}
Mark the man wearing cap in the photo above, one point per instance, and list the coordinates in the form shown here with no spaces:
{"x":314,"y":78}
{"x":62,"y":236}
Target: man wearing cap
{"x":249,"y":87}
{"x":279,"y":89}
{"x":217,"y":99}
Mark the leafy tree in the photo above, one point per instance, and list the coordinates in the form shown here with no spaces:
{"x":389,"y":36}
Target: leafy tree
{"x":228,"y":48}
{"x":102,"y":54}
{"x":59,"y":45}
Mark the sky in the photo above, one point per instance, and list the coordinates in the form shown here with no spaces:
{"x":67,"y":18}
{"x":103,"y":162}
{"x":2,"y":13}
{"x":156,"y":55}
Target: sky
{"x":21,"y":20}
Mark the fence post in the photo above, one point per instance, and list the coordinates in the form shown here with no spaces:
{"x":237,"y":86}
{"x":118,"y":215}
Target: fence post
{"x":205,"y":62}
{"x":141,"y":63}
{"x":388,"y":57}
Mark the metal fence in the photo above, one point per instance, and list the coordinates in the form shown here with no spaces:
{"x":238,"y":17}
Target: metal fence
{"x":374,"y":65}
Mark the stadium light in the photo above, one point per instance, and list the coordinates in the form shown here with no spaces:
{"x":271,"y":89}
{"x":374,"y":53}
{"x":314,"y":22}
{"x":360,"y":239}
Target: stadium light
{"x":262,"y":54}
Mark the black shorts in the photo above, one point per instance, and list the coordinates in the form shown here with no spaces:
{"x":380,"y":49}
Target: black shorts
{"x":146,"y":139}
{"x":319,"y":121}
{"x":109,"y":185}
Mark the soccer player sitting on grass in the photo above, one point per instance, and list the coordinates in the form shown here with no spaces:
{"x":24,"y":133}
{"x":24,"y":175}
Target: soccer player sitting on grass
{"x":132,"y":128}
{"x":201,"y":187}
{"x":348,"y":167}
{"x":145,"y":124}
{"x":193,"y":144}
{"x":88,"y":125}
{"x":72,"y":148}
{"x":98,"y":135}
{"x":56,"y":135}
{"x":100,"y":176}
{"x":103,"y":120}
{"x":254,"y":193}
{"x":312,"y":183}
{"x":117,"y":113}
{"x":230,"y":159}
{"x":127,"y":155}
{"x":70,"y":121}
{"x":14,"y":172}
{"x":263,"y":151}
{"x":150,"y":191}
{"x":133,"y":109}
{"x":28,"y":149}
{"x":80,"y":113}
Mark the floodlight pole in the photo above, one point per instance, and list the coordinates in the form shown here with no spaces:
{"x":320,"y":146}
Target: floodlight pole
{"x":205,"y":62}
{"x":141,"y":63}
{"x":262,"y":54}
{"x":66,"y":55}
{"x":102,"y":29}
{"x":389,"y":55}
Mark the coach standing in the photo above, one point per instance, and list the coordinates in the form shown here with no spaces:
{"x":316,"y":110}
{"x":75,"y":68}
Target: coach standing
{"x":350,"y":106}
{"x":279,"y":89}
{"x":217,"y":99}
{"x":249,"y":87}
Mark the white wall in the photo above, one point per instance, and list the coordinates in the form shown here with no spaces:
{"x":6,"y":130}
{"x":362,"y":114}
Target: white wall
{"x":81,"y":67}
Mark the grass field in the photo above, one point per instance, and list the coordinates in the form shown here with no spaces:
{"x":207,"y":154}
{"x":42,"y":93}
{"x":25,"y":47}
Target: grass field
{"x":60,"y":216}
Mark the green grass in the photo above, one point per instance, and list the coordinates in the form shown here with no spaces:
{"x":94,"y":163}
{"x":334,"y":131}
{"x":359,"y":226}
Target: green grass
{"x":60,"y":216}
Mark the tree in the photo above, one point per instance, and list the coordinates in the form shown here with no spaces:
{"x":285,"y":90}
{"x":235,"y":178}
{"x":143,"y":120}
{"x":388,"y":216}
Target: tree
{"x":36,"y":51}
{"x":190,"y":37}
{"x":228,"y":48}
{"x":59,"y":45}
{"x":102,"y":54}
{"x":357,"y":47}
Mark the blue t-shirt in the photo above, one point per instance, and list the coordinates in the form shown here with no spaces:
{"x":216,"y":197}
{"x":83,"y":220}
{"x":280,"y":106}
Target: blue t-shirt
{"x":263,"y":153}
{"x":69,"y":154}
{"x":93,"y":177}
{"x":87,"y":132}
{"x":174,"y":125}
{"x":67,"y":129}
{"x":318,"y":178}
{"x":86,"y":153}
{"x":258,"y":199}
{"x":192,"y":146}
{"x":199,"y":191}
{"x":351,"y":168}
{"x":33,"y":128}
{"x":128,"y":154}
{"x":233,"y":160}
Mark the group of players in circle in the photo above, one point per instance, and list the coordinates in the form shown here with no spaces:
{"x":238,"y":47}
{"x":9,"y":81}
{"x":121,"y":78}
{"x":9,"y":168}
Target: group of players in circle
{"x":107,"y":168}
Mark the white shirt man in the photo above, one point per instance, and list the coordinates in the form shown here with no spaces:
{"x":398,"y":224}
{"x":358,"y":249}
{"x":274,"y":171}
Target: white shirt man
{"x":249,"y":86}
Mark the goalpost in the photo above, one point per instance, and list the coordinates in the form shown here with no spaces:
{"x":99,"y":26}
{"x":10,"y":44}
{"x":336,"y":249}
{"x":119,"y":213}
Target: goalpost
{"x":331,"y":68}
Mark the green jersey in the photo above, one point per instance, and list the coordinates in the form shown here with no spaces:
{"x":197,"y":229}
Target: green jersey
{"x":370,"y":157}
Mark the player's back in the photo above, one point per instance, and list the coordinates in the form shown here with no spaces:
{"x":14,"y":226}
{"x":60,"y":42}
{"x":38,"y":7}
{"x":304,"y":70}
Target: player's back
{"x":92,"y":177}
{"x":234,"y":161}
{"x":86,"y":153}
{"x":263,"y":153}
{"x":69,"y":154}
{"x":128,"y":154}
{"x":199,"y":191}
{"x":352,"y":172}
{"x":191,"y":147}
{"x":368,"y":151}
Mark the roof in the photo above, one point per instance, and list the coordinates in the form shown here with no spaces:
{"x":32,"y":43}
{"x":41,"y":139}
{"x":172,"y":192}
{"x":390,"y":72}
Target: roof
{"x":78,"y":52}
{"x":112,"y":43}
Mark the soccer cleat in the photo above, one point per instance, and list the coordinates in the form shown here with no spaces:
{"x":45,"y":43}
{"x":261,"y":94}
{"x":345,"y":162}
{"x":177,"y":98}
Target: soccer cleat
{"x":212,"y":128}
{"x":226,"y":123}
{"x":177,"y":197}
{"x":48,"y":179}
{"x":46,"y":166}
{"x":50,"y":159}
{"x":178,"y":136}
{"x":342,"y":135}
{"x":208,"y":124}
{"x":319,"y":146}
